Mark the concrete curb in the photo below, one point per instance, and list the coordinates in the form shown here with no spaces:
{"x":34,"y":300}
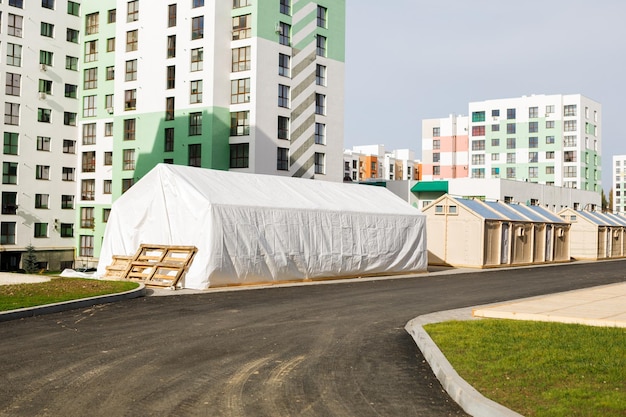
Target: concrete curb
{"x":470,"y":400}
{"x":70,"y":305}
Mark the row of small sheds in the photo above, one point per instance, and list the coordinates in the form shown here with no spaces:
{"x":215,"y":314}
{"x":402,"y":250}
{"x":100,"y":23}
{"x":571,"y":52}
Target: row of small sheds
{"x":474,"y":233}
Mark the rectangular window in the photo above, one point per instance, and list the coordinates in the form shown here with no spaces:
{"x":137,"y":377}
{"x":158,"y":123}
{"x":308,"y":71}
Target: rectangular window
{"x":549,"y":124}
{"x":241,"y":59}
{"x":495,"y":142}
{"x":129,"y":129}
{"x":478,"y":159}
{"x":478,"y":172}
{"x":322,"y":14}
{"x":132,"y":11}
{"x":284,"y":65}
{"x":71,"y":90}
{"x":478,"y":116}
{"x":320,"y":133}
{"x":240,"y":91}
{"x":13,"y":84}
{"x":241,"y":27}
{"x":510,"y":172}
{"x":549,"y":139}
{"x":510,"y":158}
{"x":283,"y":96}
{"x":170,"y":82}
{"x":283,"y":127}
{"x":11,"y":114}
{"x":570,"y":141}
{"x":9,"y":172}
{"x":9,"y":202}
{"x":239,"y":155}
{"x":130,"y":99}
{"x":67,"y":202}
{"x":510,"y":128}
{"x":71,"y":63}
{"x":197,"y":3}
{"x":169,"y":139}
{"x":320,"y":104}
{"x":284,"y":33}
{"x":320,"y":161}
{"x":195,"y":124}
{"x":169,"y":108}
{"x":131,"y":70}
{"x":43,"y":115}
{"x":129,"y":159}
{"x":111,"y":16}
{"x":285,"y":7}
{"x":533,"y":142}
{"x":436,"y":132}
{"x":197,"y":27}
{"x":45,"y":58}
{"x":89,"y":106}
{"x":194,"y":156}
{"x":436,"y":157}
{"x":436,"y":144}
{"x":47,"y":30}
{"x":171,"y":46}
{"x":108,"y":158}
{"x":67,"y":230}
{"x":11,"y":140}
{"x":510,"y":143}
{"x":132,"y":40}
{"x":89,"y":161}
{"x":110,"y":44}
{"x":47,"y":4}
{"x":90,"y":80}
{"x":478,"y":145}
{"x":550,"y":155}
{"x":127,"y":183}
{"x":91,"y":51}
{"x":14,"y":25}
{"x":320,"y":75}
{"x":41,"y":230}
{"x":108,"y":103}
{"x":87,"y":220}
{"x":569,"y":110}
{"x":71,"y":35}
{"x":86,"y":246}
{"x":7,"y":233}
{"x":240,"y":123}
{"x":533,"y":112}
{"x":42,"y":172}
{"x":282,"y":159}
{"x":67,"y":174}
{"x":321,"y":43}
{"x":569,"y":156}
{"x":107,"y":186}
{"x":73,"y":8}
{"x":43,"y":143}
{"x":550,"y":170}
{"x":495,"y":172}
{"x":495,"y":128}
{"x":478,"y":130}
{"x":197,"y":59}
{"x":17,"y":3}
{"x":171,"y":15}
{"x":533,"y":127}
{"x":14,"y":55}
{"x":69,"y":146}
{"x":69,"y":118}
{"x":569,"y":125}
{"x":106,"y":213}
{"x":195,"y":93}
{"x":510,"y":114}
{"x":570,"y":172}
{"x":89,"y":134}
{"x":533,"y":157}
{"x":533,"y":172}
{"x":108,"y":129}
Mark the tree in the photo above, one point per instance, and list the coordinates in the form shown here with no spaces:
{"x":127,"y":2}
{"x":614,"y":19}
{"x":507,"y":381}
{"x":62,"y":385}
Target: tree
{"x":604,"y":201}
{"x":29,"y":263}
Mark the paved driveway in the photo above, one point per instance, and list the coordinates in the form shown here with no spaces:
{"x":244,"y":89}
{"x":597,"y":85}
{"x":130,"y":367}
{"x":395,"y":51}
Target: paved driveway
{"x":320,"y":350}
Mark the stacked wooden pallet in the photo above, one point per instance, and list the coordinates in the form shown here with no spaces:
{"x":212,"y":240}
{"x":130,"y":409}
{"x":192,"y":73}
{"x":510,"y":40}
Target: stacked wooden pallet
{"x":155,"y":265}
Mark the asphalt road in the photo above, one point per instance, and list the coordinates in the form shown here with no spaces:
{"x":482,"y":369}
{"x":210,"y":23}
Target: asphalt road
{"x":318,"y":350}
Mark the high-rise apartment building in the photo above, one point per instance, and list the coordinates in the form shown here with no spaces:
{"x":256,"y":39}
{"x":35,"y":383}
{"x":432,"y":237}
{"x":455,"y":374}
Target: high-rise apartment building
{"x":548,"y":139}
{"x":619,"y":184}
{"x":252,"y":86}
{"x":444,"y":148}
{"x":39,"y":47}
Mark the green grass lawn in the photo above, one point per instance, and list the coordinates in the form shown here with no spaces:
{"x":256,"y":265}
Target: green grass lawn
{"x":57,"y":290}
{"x":538,"y":368}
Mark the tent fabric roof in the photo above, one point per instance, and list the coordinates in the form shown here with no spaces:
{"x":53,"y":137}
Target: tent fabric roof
{"x":430,"y":186}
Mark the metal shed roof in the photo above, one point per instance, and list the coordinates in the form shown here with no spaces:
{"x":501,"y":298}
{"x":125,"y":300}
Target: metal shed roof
{"x":477,"y":207}
{"x":506,"y":211}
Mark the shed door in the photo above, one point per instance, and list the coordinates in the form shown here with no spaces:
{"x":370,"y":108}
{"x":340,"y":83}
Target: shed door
{"x":505,"y":243}
{"x":549,"y":243}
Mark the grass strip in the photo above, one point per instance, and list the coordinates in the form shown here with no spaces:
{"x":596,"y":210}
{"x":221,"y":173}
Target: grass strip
{"x":539,"y":369}
{"x":57,"y":290}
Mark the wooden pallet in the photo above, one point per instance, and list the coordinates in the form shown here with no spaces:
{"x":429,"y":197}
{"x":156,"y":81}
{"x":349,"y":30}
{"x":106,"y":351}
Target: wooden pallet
{"x":154,"y":265}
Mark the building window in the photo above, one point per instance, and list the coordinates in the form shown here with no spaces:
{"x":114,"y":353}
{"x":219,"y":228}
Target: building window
{"x":14,"y":25}
{"x":171,"y":15}
{"x":495,"y":128}
{"x":569,"y":125}
{"x":67,"y":230}
{"x":69,"y":146}
{"x":194,"y":157}
{"x":17,"y":3}
{"x":71,"y":35}
{"x":11,"y":140}
{"x":510,"y":172}
{"x":478,"y":159}
{"x":319,"y":161}
{"x":533,"y":127}
{"x":533,"y":112}
{"x":9,"y":172}
{"x":510,"y":114}
{"x":111,"y":16}
{"x":86,"y":246}
{"x":569,"y":156}
{"x":169,"y":139}
{"x":283,"y":65}
{"x":436,"y":157}
{"x":320,"y":133}
{"x":67,"y":202}
{"x":127,"y":183}
{"x":108,"y":129}
{"x":533,"y":142}
{"x":550,"y":170}
{"x":320,"y":104}
{"x":549,"y":139}
{"x":69,"y":118}
{"x":91,"y":51}
{"x":197,"y":59}
{"x":320,"y":75}
{"x":9,"y":202}
{"x":239,"y":155}
{"x":478,"y":116}
{"x":131,"y":70}
{"x":71,"y":63}
{"x":132,"y":40}
{"x":285,"y":7}
{"x":495,"y":172}
{"x":42,"y":172}
{"x":169,"y":108}
{"x":47,"y":4}
{"x":43,"y":143}
{"x":71,"y":90}
{"x":7,"y":233}
{"x":108,"y":103}
{"x":197,"y":27}
{"x":284,"y":33}
{"x":570,"y":141}
{"x":478,"y":130}
{"x":478,"y":145}
{"x":89,"y":134}
{"x":322,"y":14}
{"x":533,"y":157}
{"x":495,"y":142}
{"x":130,"y":99}
{"x":241,"y":59}
{"x":89,"y":161}
{"x":43,"y":115}
{"x":549,"y":124}
{"x":510,"y":128}
{"x":170,"y":82}
{"x":108,"y":158}
{"x":90,"y":78}
{"x":89,"y":106}
{"x":436,"y":132}
{"x":240,"y":91}
{"x":240,"y":123}
{"x":106,"y":213}
{"x":320,"y":45}
{"x":478,"y":172}
{"x":14,"y":55}
{"x":569,"y":110}
{"x":436,"y":144}
{"x":495,"y":156}
{"x":45,"y":58}
{"x":195,"y":94}
{"x":570,"y":172}
{"x":73,"y":8}
{"x":282,"y":159}
{"x":195,"y":124}
{"x":67,"y":174}
{"x":283,"y":96}
{"x":550,"y":155}
{"x":11,"y":114}
{"x":129,"y":159}
{"x":47,"y":30}
{"x":129,"y":129}
{"x":283,"y":127}
{"x":132,"y":14}
{"x":171,"y":46}
{"x":197,"y":3}
{"x":241,"y":27}
{"x":110,"y":44}
{"x":436,"y":170}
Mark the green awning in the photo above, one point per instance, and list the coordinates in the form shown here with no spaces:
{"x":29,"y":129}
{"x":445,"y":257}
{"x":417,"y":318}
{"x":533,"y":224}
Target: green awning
{"x":430,"y":186}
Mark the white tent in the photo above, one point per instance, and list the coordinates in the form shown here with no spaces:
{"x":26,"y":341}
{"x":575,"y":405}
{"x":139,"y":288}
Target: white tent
{"x":260,"y":228}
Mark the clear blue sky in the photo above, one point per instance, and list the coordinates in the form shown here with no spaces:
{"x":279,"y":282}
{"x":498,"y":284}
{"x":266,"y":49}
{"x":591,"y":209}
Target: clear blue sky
{"x":414,"y":59}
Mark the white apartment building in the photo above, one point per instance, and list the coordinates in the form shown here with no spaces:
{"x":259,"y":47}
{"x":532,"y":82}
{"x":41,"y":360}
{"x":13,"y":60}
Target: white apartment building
{"x":372,"y":162}
{"x":445,"y":148}
{"x":39,"y":43}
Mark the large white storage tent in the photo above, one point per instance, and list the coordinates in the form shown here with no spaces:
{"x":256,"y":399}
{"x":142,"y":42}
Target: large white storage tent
{"x":252,"y":228}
